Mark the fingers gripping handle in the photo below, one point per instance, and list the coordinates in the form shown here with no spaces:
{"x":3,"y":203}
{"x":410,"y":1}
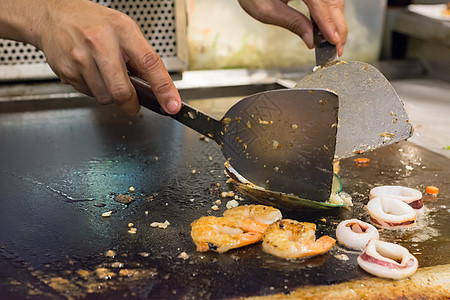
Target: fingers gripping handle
{"x":325,"y":51}
{"x":146,"y":96}
{"x":187,"y":115}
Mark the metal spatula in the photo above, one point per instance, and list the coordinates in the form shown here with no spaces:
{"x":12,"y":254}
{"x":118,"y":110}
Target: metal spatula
{"x":282,"y":140}
{"x":371,"y":115}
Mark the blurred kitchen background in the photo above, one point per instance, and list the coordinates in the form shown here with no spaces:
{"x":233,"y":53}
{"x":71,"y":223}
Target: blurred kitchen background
{"x":215,"y":43}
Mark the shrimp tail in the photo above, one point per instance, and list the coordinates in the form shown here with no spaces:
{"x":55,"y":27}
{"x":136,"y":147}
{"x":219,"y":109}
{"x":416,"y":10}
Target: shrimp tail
{"x":321,"y":245}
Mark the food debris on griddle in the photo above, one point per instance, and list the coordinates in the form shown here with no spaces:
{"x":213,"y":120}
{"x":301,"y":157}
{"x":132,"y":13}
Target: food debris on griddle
{"x":125,"y":199}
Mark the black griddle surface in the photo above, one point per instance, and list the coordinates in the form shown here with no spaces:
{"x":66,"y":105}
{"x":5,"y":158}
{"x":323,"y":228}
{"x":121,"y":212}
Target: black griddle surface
{"x":62,"y":167}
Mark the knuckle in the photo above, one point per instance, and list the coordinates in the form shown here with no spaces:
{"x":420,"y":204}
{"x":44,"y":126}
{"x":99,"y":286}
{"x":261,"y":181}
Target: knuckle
{"x":295,"y":26}
{"x":104,"y":100}
{"x":150,"y":61}
{"x":162,"y":87}
{"x":120,"y":93}
{"x":68,"y":75}
{"x":79,"y":57}
{"x":121,"y":22}
{"x":345,"y":29}
{"x":337,"y":4}
{"x":94,"y":36}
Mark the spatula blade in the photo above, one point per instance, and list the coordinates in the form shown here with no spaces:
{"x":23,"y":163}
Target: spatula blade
{"x":284,"y":140}
{"x":371,"y":114}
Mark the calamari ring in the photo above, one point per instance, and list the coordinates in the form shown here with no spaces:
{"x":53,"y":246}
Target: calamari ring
{"x":355,"y":234}
{"x":387,"y":260}
{"x":408,"y":195}
{"x":391,"y":213}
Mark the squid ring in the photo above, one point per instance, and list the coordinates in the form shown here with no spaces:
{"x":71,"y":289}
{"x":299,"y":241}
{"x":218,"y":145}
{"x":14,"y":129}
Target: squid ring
{"x":387,"y":260}
{"x":355,"y":233}
{"x":391,"y":213}
{"x":409,"y":195}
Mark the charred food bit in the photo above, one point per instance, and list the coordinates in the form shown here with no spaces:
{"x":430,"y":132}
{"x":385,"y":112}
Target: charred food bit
{"x":276,"y":144}
{"x":183,"y":255}
{"x":110,"y":253}
{"x":104,"y":273}
{"x":117,"y":264}
{"x":387,"y":136}
{"x":107,"y":214}
{"x":227,"y":194}
{"x":125,"y":199}
{"x":232,"y":204}
{"x":342,"y":257}
{"x":160,"y":225}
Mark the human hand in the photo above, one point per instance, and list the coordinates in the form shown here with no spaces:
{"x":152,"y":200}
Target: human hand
{"x":89,"y":46}
{"x":328,"y":14}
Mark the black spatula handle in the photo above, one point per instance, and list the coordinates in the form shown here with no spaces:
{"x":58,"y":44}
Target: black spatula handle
{"x":187,"y":115}
{"x":325,"y":51}
{"x":146,"y":96}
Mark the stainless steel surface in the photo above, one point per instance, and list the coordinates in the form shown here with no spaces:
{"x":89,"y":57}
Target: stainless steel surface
{"x":282,"y":140}
{"x":163,"y":23}
{"x":427,"y":101}
{"x":425,"y":38}
{"x":371,"y":115}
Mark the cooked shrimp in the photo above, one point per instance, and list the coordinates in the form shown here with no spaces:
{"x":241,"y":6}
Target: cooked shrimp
{"x":254,"y":218}
{"x":292,"y":239}
{"x":222,"y":234}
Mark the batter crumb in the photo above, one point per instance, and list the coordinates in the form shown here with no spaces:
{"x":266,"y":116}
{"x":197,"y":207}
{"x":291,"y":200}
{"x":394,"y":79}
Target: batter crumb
{"x":160,"y":225}
{"x":107,"y":214}
{"x":124,"y":199}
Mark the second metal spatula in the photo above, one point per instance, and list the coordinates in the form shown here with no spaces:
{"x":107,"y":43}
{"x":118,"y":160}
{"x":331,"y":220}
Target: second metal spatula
{"x":371,"y":114}
{"x":282,"y":140}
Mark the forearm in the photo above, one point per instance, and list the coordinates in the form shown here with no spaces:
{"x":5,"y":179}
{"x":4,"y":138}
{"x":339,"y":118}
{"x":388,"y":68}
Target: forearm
{"x":22,"y":20}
